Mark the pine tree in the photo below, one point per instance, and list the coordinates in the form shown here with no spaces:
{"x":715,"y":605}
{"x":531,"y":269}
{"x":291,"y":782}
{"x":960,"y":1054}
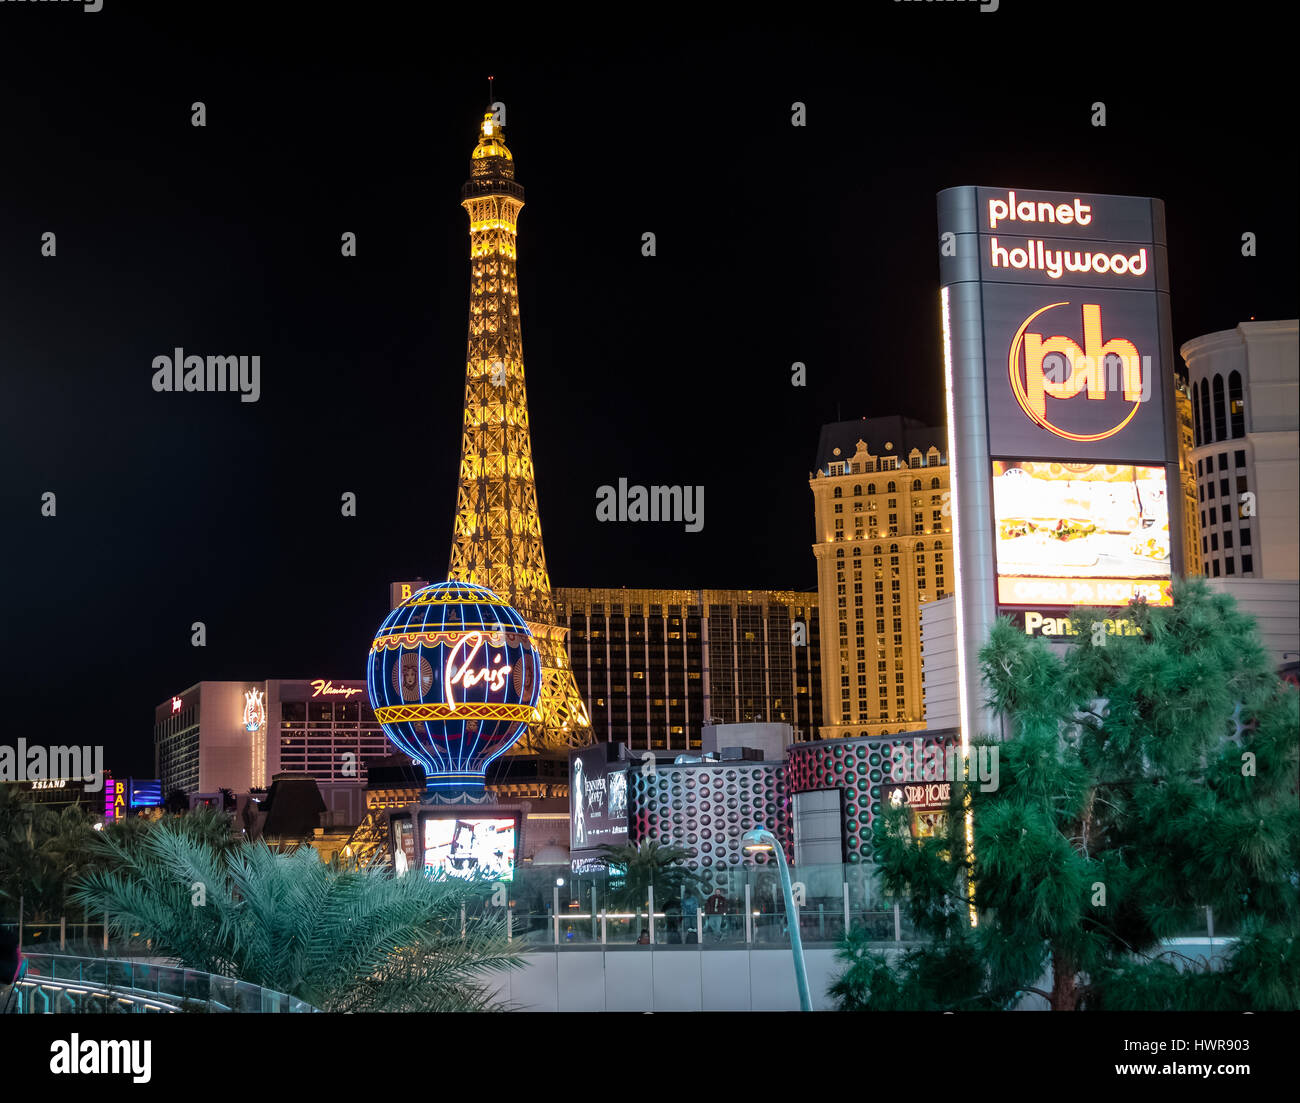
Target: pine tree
{"x":1144,"y":778}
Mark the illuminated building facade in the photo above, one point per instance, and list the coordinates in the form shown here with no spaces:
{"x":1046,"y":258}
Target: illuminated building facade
{"x":1187,"y":469}
{"x":884,"y":549}
{"x":654,"y":666}
{"x":61,"y":792}
{"x":238,"y":735}
{"x":1246,"y":436}
{"x":498,"y":531}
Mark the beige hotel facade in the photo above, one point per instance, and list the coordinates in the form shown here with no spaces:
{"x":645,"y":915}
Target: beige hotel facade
{"x":884,"y":550}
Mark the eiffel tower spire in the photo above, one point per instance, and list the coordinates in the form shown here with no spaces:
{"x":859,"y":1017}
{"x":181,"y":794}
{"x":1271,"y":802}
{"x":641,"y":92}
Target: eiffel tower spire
{"x":498,"y":537}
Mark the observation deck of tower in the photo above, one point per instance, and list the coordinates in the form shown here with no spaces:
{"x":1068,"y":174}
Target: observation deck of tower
{"x":498,"y":532}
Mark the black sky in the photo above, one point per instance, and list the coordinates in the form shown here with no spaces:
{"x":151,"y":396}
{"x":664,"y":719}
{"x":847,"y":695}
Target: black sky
{"x":775,"y":245}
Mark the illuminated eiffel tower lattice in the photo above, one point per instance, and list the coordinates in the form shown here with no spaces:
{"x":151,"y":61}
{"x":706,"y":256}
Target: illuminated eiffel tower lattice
{"x":498,"y":537}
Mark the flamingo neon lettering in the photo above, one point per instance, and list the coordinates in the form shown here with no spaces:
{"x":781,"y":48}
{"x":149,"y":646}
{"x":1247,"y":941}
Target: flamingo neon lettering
{"x":461,"y":675}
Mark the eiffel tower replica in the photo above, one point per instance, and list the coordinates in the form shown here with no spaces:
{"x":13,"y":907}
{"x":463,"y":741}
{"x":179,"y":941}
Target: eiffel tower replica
{"x":498,"y":537}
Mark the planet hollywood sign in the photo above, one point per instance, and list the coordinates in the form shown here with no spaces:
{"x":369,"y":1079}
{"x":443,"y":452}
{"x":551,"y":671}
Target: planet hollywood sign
{"x":1037,"y":254}
{"x":1063,"y":441}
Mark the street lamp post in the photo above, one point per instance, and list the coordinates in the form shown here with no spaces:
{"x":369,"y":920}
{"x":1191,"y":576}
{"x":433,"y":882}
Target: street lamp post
{"x":760,"y":838}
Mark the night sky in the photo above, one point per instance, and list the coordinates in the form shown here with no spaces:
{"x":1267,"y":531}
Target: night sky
{"x":775,"y":244}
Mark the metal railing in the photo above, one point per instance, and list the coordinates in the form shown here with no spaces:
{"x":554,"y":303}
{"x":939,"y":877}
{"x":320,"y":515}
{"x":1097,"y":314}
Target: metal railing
{"x":54,"y":983}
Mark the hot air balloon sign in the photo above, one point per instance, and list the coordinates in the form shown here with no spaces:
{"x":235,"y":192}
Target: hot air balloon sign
{"x":454,"y":677}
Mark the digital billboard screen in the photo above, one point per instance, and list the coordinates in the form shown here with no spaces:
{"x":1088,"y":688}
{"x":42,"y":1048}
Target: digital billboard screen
{"x":1070,"y":534}
{"x":403,"y":845}
{"x":468,"y":847}
{"x":597,"y":799}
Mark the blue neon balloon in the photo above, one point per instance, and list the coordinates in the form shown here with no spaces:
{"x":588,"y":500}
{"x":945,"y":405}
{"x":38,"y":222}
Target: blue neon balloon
{"x":454,"y":678}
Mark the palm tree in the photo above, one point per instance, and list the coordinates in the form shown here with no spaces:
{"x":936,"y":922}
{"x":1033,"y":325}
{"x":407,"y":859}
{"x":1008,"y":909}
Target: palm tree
{"x":29,"y":869}
{"x":66,"y":849}
{"x":340,"y":939}
{"x":646,"y":864}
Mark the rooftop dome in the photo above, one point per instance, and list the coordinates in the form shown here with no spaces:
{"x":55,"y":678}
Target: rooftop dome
{"x":491,"y":140}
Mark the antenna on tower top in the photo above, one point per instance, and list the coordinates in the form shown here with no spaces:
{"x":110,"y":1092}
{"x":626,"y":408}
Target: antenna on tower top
{"x":491,"y":97}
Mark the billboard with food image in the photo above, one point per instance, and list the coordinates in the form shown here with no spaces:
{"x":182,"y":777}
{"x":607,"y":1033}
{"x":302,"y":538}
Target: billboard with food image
{"x":1072,"y":534}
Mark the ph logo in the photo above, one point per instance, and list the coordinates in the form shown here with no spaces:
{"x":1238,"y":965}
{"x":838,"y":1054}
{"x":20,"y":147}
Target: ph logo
{"x":1056,"y":367}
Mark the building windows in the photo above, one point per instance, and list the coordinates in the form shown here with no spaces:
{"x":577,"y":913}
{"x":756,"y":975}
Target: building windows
{"x":1216,"y":568}
{"x":1227,"y":538}
{"x":1228,"y":565}
{"x":1245,"y":538}
{"x":1223,"y":461}
{"x":1214,"y":546}
{"x":857,"y":491}
{"x":1220,"y":410}
{"x":916,"y":484}
{"x":1247,"y":564}
{"x":1214,"y":520}
{"x":1236,"y":407}
{"x":838,"y":492}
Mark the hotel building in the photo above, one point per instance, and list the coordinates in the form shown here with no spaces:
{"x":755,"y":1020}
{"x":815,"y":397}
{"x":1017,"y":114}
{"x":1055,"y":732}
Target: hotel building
{"x":238,"y":735}
{"x":1187,"y":478}
{"x":1246,"y":449}
{"x":655,"y":666}
{"x":884,"y":549}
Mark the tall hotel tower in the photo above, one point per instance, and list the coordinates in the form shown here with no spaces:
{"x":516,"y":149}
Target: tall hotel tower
{"x":884,"y":543}
{"x":498,"y":537}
